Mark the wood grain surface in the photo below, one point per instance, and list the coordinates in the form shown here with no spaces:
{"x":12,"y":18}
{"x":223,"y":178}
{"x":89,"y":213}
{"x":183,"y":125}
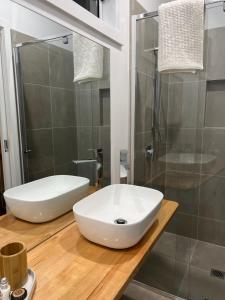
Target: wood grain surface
{"x":70,"y":267}
{"x":13,"y":229}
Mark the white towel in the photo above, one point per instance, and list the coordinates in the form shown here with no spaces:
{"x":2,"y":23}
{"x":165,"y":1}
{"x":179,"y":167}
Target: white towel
{"x":88,"y":59}
{"x":181,"y":36}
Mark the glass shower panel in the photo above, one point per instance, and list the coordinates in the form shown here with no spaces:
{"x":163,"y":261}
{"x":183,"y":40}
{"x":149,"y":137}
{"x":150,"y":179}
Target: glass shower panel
{"x":47,"y":109}
{"x":65,"y":126}
{"x":2,"y":201}
{"x":179,"y":149}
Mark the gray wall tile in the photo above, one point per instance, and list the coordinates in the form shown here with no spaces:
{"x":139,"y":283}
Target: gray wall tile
{"x":41,"y":157}
{"x":187,"y":77}
{"x":63,"y":109}
{"x":34,"y":64}
{"x":216,"y":48}
{"x":65,"y":169}
{"x":61,"y":67}
{"x":144,"y":102}
{"x":212,"y":198}
{"x":184,"y":140}
{"x":164,"y":96}
{"x":146,"y":40}
{"x":213,"y":144}
{"x":84,"y":107}
{"x":186,"y":104}
{"x":85,"y":142}
{"x":211,"y":231}
{"x":139,"y":168}
{"x":183,"y":224}
{"x":184,"y":189}
{"x":37,"y":104}
{"x":104,"y":136}
{"x":215,"y":104}
{"x":64,"y":145}
{"x":39,"y":175}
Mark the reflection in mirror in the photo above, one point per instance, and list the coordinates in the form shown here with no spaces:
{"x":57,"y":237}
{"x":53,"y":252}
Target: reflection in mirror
{"x":64,"y":106}
{"x":124,"y":166}
{"x":63,"y":102}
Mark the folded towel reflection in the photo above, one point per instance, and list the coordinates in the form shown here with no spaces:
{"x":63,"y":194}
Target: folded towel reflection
{"x":88,"y":59}
{"x":181,"y":36}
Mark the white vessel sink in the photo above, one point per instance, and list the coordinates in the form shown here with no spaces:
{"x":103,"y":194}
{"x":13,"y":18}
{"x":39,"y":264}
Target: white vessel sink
{"x":47,"y":198}
{"x":98,"y":215}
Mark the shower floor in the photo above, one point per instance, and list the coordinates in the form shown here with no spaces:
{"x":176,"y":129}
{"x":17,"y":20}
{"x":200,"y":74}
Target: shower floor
{"x":180,"y":266}
{"x":140,"y":291}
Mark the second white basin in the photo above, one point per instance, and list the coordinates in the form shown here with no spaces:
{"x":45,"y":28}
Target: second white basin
{"x":119,"y":215}
{"x":47,"y":198}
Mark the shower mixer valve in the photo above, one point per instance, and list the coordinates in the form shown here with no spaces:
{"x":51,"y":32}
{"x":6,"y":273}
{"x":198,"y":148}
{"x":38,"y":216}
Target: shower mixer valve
{"x":149,"y":152}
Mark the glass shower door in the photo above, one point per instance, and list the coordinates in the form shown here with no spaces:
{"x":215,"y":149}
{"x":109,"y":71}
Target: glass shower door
{"x":186,"y":137}
{"x":46,"y":106}
{"x":2,"y":201}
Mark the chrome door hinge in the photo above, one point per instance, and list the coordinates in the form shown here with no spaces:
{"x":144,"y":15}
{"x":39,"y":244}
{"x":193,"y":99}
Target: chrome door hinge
{"x":6,"y":146}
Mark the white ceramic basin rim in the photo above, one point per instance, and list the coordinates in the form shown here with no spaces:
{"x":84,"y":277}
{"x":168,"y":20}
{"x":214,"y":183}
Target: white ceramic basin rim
{"x":97,"y":213}
{"x":47,"y":198}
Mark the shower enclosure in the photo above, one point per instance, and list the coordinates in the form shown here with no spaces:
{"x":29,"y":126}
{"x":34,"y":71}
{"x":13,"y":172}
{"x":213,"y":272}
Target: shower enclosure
{"x":64,"y":126}
{"x":2,"y":202}
{"x":179,"y":148}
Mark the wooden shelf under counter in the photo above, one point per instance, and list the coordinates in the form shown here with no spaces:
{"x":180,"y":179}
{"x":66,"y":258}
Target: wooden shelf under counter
{"x":70,"y":267}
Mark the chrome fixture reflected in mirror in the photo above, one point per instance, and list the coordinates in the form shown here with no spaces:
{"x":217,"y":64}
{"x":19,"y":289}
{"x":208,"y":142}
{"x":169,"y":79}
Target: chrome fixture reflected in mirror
{"x":149,"y":152}
{"x":91,"y":168}
{"x":124,"y":166}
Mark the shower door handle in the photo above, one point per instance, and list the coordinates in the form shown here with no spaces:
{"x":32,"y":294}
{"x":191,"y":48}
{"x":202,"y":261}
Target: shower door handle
{"x":26,"y":150}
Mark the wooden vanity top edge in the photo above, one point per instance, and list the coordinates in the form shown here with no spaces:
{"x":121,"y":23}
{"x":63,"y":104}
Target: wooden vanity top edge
{"x":90,"y":271}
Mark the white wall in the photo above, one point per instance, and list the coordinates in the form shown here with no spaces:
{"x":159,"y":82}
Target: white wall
{"x":215,"y":16}
{"x":28,"y":22}
{"x":151,"y":5}
{"x":109,"y":12}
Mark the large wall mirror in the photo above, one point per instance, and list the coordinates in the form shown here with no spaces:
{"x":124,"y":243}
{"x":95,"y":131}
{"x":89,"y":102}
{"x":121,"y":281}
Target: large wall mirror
{"x":63,"y":89}
{"x":62,"y":82}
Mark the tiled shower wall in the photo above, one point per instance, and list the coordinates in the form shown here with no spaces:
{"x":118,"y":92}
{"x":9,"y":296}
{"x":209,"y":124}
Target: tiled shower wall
{"x":191,"y":121}
{"x":195,"y":121}
{"x":59,"y":114}
{"x":149,"y":171}
{"x":93,"y":119}
{"x":49,"y":109}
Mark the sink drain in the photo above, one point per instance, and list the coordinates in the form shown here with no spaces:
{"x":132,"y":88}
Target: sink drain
{"x":120,"y":221}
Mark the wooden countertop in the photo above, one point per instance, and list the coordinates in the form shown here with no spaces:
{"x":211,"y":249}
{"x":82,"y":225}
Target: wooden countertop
{"x":13,"y":229}
{"x":70,"y":267}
